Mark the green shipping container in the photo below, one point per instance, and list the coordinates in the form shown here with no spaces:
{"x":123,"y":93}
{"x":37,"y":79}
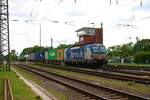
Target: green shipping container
{"x":52,"y":54}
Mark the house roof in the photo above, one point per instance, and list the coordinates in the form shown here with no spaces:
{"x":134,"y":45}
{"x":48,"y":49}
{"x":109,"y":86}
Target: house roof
{"x":85,"y":28}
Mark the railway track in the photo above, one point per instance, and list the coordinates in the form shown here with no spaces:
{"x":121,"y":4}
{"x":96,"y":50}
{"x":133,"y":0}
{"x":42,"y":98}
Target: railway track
{"x":107,"y":74}
{"x":125,"y":69}
{"x":7,"y":90}
{"x":129,"y":67}
{"x":89,"y":91}
{"x":128,"y":71}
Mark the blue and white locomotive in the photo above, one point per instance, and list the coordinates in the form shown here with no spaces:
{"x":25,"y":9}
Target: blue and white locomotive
{"x":90,"y":54}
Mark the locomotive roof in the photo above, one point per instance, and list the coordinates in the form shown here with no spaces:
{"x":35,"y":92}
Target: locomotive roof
{"x":97,"y":44}
{"x":78,"y":46}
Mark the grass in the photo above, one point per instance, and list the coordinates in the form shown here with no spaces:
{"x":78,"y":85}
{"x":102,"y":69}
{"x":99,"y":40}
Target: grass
{"x":20,"y":90}
{"x":1,"y":88}
{"x":51,"y":90}
{"x":131,"y":65}
{"x":128,"y":86}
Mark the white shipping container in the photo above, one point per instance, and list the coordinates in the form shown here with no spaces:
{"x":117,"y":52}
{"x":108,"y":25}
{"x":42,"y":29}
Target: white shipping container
{"x":46,"y":55}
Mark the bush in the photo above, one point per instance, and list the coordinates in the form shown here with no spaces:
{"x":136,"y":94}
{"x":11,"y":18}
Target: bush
{"x":142,"y":57}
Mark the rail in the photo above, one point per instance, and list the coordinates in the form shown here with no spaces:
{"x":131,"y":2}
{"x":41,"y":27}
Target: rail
{"x":97,"y":92}
{"x":7,"y":90}
{"x":106,"y":74}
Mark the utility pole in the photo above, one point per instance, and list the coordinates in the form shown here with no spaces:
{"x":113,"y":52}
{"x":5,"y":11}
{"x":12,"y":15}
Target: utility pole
{"x":4,"y":34}
{"x":141,"y":3}
{"x":40,"y":34}
{"x":51,"y":42}
{"x":0,"y":39}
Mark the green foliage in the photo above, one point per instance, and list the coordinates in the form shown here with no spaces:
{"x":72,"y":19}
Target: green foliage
{"x":21,"y":58}
{"x":48,"y":48}
{"x":13,"y":57}
{"x":127,"y":50}
{"x":63,"y":46}
{"x":142,"y":51}
{"x":143,"y":45}
{"x":120,"y":50}
{"x":142,"y":57}
{"x":113,"y":51}
{"x":32,"y":50}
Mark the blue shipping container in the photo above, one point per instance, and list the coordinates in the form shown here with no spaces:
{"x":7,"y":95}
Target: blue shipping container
{"x":39,"y":56}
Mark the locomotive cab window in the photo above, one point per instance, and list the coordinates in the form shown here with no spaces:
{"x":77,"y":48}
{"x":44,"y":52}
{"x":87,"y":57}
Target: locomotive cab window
{"x":102,"y":49}
{"x":95,"y":49}
{"x":99,"y":49}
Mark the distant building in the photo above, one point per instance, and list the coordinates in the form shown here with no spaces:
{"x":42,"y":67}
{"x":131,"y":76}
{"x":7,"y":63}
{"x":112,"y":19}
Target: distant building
{"x":13,"y":52}
{"x":90,"y":35}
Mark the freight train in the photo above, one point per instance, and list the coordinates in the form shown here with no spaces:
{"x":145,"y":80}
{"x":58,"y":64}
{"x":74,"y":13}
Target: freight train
{"x":89,"y":54}
{"x":89,"y":51}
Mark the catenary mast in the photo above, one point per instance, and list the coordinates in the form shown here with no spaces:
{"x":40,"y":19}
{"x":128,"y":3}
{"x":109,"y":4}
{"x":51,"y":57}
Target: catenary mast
{"x":4,"y":34}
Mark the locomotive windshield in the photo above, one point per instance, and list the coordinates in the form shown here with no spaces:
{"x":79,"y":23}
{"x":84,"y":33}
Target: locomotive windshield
{"x":102,"y":49}
{"x":99,"y":49}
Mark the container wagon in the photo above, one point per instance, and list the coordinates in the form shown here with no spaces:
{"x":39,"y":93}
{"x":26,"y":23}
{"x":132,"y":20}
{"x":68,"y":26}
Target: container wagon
{"x":39,"y":57}
{"x":51,"y":56}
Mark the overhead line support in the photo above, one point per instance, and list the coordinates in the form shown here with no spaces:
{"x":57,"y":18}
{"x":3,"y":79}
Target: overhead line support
{"x":4,"y":35}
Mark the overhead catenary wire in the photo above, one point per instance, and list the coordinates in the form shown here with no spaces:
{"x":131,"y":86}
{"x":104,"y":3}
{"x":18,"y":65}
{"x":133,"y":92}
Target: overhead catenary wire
{"x":50,"y":10}
{"x":35,"y":6}
{"x":108,"y":11}
{"x":123,"y":5}
{"x":53,"y":8}
{"x":117,"y":2}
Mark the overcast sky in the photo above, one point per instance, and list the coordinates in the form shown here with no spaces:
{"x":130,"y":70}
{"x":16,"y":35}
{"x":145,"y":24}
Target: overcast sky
{"x":59,"y":19}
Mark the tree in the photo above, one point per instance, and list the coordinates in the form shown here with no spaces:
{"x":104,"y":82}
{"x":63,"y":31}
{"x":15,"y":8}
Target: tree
{"x":63,"y":46}
{"x":142,"y":57}
{"x":124,"y":50}
{"x":143,"y":45}
{"x":32,"y":50}
{"x":142,"y":51}
{"x":127,"y":50}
